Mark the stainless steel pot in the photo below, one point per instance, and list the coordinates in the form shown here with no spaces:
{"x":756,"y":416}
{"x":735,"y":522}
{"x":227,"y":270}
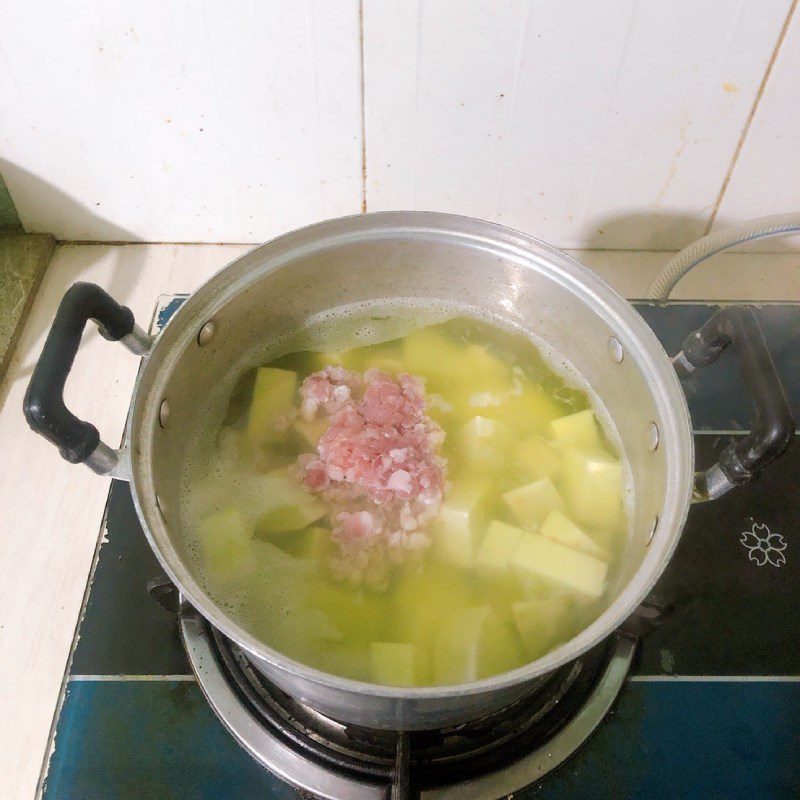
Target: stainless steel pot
{"x":414,"y":255}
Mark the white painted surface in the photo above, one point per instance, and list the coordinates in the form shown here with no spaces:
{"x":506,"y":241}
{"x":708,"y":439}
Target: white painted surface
{"x":603,"y":125}
{"x":50,"y":511}
{"x":226,"y":121}
{"x":766,"y":179}
{"x":587,"y":124}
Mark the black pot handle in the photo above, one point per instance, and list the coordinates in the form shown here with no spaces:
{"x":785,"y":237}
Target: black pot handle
{"x":78,"y":441}
{"x":773,"y":428}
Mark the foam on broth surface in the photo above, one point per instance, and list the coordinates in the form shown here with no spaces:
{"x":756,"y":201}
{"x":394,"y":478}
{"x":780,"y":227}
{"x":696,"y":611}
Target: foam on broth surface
{"x":522,"y":552}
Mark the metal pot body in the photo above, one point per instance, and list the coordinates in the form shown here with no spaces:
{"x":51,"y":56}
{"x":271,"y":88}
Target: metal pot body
{"x":429,"y":256}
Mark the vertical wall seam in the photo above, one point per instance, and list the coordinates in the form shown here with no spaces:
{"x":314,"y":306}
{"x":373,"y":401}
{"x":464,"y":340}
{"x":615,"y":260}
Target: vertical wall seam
{"x":751,"y":116}
{"x":363,"y":110}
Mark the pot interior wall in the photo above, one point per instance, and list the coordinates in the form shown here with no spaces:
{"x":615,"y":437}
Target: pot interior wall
{"x":276,"y":287}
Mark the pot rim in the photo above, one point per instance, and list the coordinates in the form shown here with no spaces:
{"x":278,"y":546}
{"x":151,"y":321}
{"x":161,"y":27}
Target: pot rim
{"x":675,"y":424}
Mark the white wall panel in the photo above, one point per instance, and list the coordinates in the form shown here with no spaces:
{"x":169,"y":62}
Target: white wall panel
{"x":201,"y":120}
{"x":605,"y":124}
{"x":608,"y":124}
{"x":766,"y":178}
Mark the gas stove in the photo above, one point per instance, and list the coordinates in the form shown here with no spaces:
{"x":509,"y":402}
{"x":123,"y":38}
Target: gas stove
{"x":699,"y":698}
{"x":489,"y":758}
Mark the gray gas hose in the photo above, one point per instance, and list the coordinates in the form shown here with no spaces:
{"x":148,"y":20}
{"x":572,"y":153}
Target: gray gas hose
{"x":699,"y":251}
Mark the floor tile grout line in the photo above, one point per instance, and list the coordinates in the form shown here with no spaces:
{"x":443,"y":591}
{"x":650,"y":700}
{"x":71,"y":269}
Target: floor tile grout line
{"x":252,"y":245}
{"x":132,"y":678}
{"x":750,"y":117}
{"x":363,"y":80}
{"x":191,"y":678}
{"x":714,"y":678}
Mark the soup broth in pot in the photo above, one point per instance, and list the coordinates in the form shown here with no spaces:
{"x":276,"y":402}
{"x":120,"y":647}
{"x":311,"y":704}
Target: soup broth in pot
{"x":429,"y":508}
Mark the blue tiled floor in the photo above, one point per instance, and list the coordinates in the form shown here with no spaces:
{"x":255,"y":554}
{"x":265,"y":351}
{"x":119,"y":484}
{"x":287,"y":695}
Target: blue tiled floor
{"x":156,"y":740}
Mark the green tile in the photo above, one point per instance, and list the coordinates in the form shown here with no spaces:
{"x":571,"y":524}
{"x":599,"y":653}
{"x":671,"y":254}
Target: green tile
{"x":23,"y":258}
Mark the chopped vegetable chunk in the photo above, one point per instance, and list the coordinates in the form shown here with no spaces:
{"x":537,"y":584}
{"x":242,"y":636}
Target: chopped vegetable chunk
{"x":533,"y":502}
{"x":499,"y":543}
{"x":272,"y":405}
{"x":423,"y":598}
{"x":538,"y":555}
{"x":427,"y":353}
{"x":456,"y":531}
{"x":363,"y":614}
{"x":578,"y":429}
{"x":287,"y":506}
{"x":317,"y":546}
{"x":538,"y":458}
{"x":530,"y":410}
{"x":225,"y":539}
{"x":593,"y":487}
{"x":484,"y":369}
{"x":474,"y":644}
{"x":557,"y":527}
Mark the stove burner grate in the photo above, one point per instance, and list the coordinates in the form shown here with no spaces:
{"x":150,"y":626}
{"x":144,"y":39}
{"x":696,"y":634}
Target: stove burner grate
{"x":515,"y":745}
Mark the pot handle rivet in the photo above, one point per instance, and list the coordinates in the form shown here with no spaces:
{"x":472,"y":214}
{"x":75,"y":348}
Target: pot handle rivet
{"x":206,"y":333}
{"x":615,"y":349}
{"x":652,"y":436}
{"x":163,"y":413}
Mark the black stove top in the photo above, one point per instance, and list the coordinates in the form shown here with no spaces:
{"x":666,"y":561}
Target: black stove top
{"x":711,"y":708}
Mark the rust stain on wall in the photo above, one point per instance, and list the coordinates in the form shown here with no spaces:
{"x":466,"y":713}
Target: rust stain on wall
{"x":673,"y":167}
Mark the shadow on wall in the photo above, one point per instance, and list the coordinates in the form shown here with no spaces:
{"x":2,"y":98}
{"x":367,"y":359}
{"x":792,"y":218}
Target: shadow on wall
{"x":55,"y":207}
{"x":59,"y":276}
{"x":743,"y":274}
{"x":650,"y":230}
{"x":670,"y":231}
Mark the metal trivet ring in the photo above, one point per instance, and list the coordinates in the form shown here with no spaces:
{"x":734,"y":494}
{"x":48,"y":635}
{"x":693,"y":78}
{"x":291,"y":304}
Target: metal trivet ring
{"x":484,"y":760}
